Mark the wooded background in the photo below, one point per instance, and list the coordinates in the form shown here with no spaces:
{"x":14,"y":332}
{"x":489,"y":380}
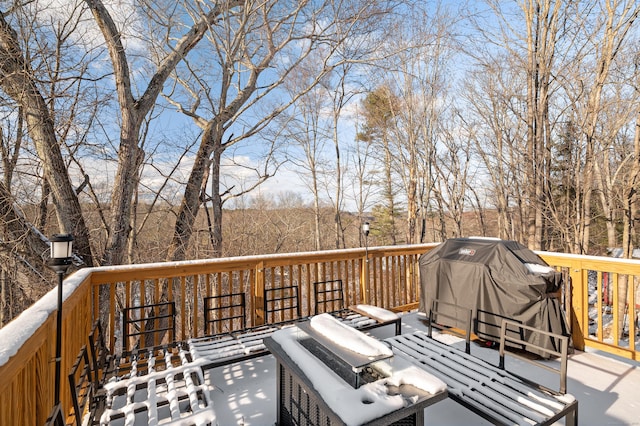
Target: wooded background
{"x":150,"y":129}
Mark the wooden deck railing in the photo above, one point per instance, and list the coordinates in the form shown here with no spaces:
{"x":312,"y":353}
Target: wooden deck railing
{"x":392,"y":283}
{"x":603,"y":315}
{"x":382,"y":276}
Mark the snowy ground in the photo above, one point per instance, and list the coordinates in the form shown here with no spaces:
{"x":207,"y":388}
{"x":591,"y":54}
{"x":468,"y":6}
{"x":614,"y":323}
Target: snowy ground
{"x":606,"y":388}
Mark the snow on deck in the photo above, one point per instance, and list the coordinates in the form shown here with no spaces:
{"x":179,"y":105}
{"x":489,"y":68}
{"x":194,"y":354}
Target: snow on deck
{"x":606,"y":387}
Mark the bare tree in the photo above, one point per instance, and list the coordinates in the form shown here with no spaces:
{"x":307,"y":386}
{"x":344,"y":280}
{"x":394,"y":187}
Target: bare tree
{"x":543,"y":21}
{"x":408,"y":109}
{"x":133,"y":110}
{"x":314,"y":122}
{"x":342,"y":95}
{"x":631,"y":199}
{"x":43,"y":79}
{"x":378,"y":111}
{"x":255,"y":52}
{"x":453,"y":178}
{"x":20,"y":82}
{"x":309,"y":132}
{"x":495,"y":122}
{"x":362,"y":186}
{"x":421,"y":77}
{"x":617,"y":19}
{"x":631,"y":204}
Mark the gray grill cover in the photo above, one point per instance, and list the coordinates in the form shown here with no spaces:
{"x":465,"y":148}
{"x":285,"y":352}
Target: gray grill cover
{"x":491,"y":277}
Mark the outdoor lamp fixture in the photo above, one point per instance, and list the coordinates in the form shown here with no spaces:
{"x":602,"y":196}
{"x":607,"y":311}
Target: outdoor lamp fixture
{"x":365,"y":231}
{"x":61,"y":245}
{"x":365,"y":266}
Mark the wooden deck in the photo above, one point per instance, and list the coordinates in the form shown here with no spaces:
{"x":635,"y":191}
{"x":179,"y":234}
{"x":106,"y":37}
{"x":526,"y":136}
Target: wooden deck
{"x":386,"y":277}
{"x":606,"y":387}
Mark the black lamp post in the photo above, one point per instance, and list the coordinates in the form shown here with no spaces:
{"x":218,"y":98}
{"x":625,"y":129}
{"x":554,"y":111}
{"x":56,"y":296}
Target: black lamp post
{"x":61,"y":245}
{"x":365,"y":231}
{"x":365,"y":288}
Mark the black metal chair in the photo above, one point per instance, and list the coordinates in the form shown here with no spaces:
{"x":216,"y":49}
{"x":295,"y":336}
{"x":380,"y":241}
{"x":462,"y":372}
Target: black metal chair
{"x":449,"y":314}
{"x":102,"y":361}
{"x":224,"y":342}
{"x":328,"y":296}
{"x":222,"y":313}
{"x":148,"y":324}
{"x":55,"y":417}
{"x":487,"y":327}
{"x":281,"y":304}
{"x":81,"y":383}
{"x":561,"y":350}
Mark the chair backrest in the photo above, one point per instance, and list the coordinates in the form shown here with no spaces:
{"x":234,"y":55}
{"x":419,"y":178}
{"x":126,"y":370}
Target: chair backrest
{"x":449,"y":314}
{"x":101,"y":358}
{"x":281,"y":304}
{"x":328,"y":296}
{"x":222,"y":313}
{"x":560,"y":350}
{"x":147,"y":325}
{"x":81,"y":384}
{"x":55,"y":417}
{"x":487,"y":326}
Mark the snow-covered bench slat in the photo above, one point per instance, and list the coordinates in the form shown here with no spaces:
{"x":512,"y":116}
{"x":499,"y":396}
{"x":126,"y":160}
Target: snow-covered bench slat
{"x":169,"y":389}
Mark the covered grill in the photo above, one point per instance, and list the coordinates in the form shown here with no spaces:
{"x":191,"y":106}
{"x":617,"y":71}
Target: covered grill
{"x":494,"y":279}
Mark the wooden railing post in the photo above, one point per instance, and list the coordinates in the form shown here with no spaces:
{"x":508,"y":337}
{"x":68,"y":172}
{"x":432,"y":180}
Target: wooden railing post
{"x":258,"y":295}
{"x":364,"y":278}
{"x":579,"y":298}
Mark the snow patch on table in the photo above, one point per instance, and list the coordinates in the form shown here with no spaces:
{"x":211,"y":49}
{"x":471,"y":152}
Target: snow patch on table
{"x":348,"y":337}
{"x":377,"y":312}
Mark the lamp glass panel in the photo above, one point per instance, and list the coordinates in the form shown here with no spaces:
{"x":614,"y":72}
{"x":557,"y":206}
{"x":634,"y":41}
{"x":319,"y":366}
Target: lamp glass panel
{"x":61,"y":249}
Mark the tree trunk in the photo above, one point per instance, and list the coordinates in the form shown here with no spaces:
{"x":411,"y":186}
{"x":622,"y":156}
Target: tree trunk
{"x":388,"y":193}
{"x":412,"y":194}
{"x":541,"y":19}
{"x":316,"y":208}
{"x":216,"y":204}
{"x":17,"y":82}
{"x":30,"y":243}
{"x":631,"y":218}
{"x":211,"y":143}
{"x":339,"y":231}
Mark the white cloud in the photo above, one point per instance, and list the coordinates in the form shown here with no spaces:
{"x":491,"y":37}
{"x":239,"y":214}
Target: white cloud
{"x":123,"y":12}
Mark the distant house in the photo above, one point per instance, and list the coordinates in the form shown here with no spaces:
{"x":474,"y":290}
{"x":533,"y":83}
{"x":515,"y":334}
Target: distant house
{"x":617,"y":252}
